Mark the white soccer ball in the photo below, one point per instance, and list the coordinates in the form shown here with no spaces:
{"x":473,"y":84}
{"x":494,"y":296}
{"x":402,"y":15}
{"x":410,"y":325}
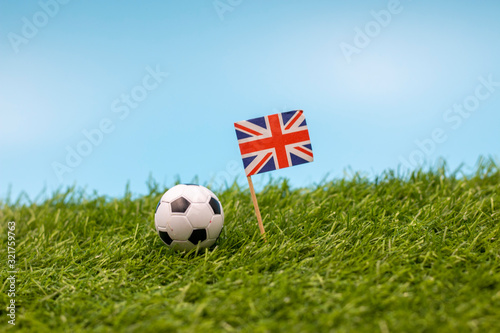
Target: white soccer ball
{"x":188,"y":216}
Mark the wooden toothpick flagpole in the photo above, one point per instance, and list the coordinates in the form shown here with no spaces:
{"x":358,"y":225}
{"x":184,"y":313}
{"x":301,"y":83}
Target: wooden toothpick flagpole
{"x":256,"y":206}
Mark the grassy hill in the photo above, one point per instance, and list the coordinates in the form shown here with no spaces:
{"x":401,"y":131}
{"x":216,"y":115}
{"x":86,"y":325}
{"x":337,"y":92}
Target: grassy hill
{"x":394,"y":254}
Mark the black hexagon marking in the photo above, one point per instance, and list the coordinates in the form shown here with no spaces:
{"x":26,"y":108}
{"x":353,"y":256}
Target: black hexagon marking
{"x":179,"y":205}
{"x":198,"y":235}
{"x":165,"y":237}
{"x":158,"y":205}
{"x":214,"y":203}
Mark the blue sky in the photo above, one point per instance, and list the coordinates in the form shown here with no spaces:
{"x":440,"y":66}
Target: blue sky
{"x":382,"y":83}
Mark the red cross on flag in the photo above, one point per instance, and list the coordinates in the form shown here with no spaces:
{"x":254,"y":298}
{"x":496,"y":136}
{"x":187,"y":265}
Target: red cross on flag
{"x":274,"y":142}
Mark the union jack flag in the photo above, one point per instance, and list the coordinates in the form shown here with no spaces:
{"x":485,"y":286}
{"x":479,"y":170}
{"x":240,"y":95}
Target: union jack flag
{"x":274,"y":142}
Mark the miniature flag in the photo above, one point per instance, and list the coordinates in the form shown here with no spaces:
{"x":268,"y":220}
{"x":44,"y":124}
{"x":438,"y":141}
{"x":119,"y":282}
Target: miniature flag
{"x":274,"y":142}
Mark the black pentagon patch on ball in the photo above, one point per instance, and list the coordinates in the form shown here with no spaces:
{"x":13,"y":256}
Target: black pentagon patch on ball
{"x":179,"y":205}
{"x":198,"y":235}
{"x":214,"y":203}
{"x":158,"y":205}
{"x":165,"y":237}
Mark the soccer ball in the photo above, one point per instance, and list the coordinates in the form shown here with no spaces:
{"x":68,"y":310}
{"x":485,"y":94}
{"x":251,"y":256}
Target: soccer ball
{"x":188,"y":216}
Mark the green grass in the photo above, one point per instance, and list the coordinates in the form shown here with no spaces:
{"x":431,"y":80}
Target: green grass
{"x":394,"y":254}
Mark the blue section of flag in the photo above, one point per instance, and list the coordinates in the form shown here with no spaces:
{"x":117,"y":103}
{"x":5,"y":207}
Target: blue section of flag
{"x":248,"y":160}
{"x":240,"y":135}
{"x":287,"y":116}
{"x":308,"y":146}
{"x":303,"y":123}
{"x":261,"y":121}
{"x":297,"y":160}
{"x":269,"y":166}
